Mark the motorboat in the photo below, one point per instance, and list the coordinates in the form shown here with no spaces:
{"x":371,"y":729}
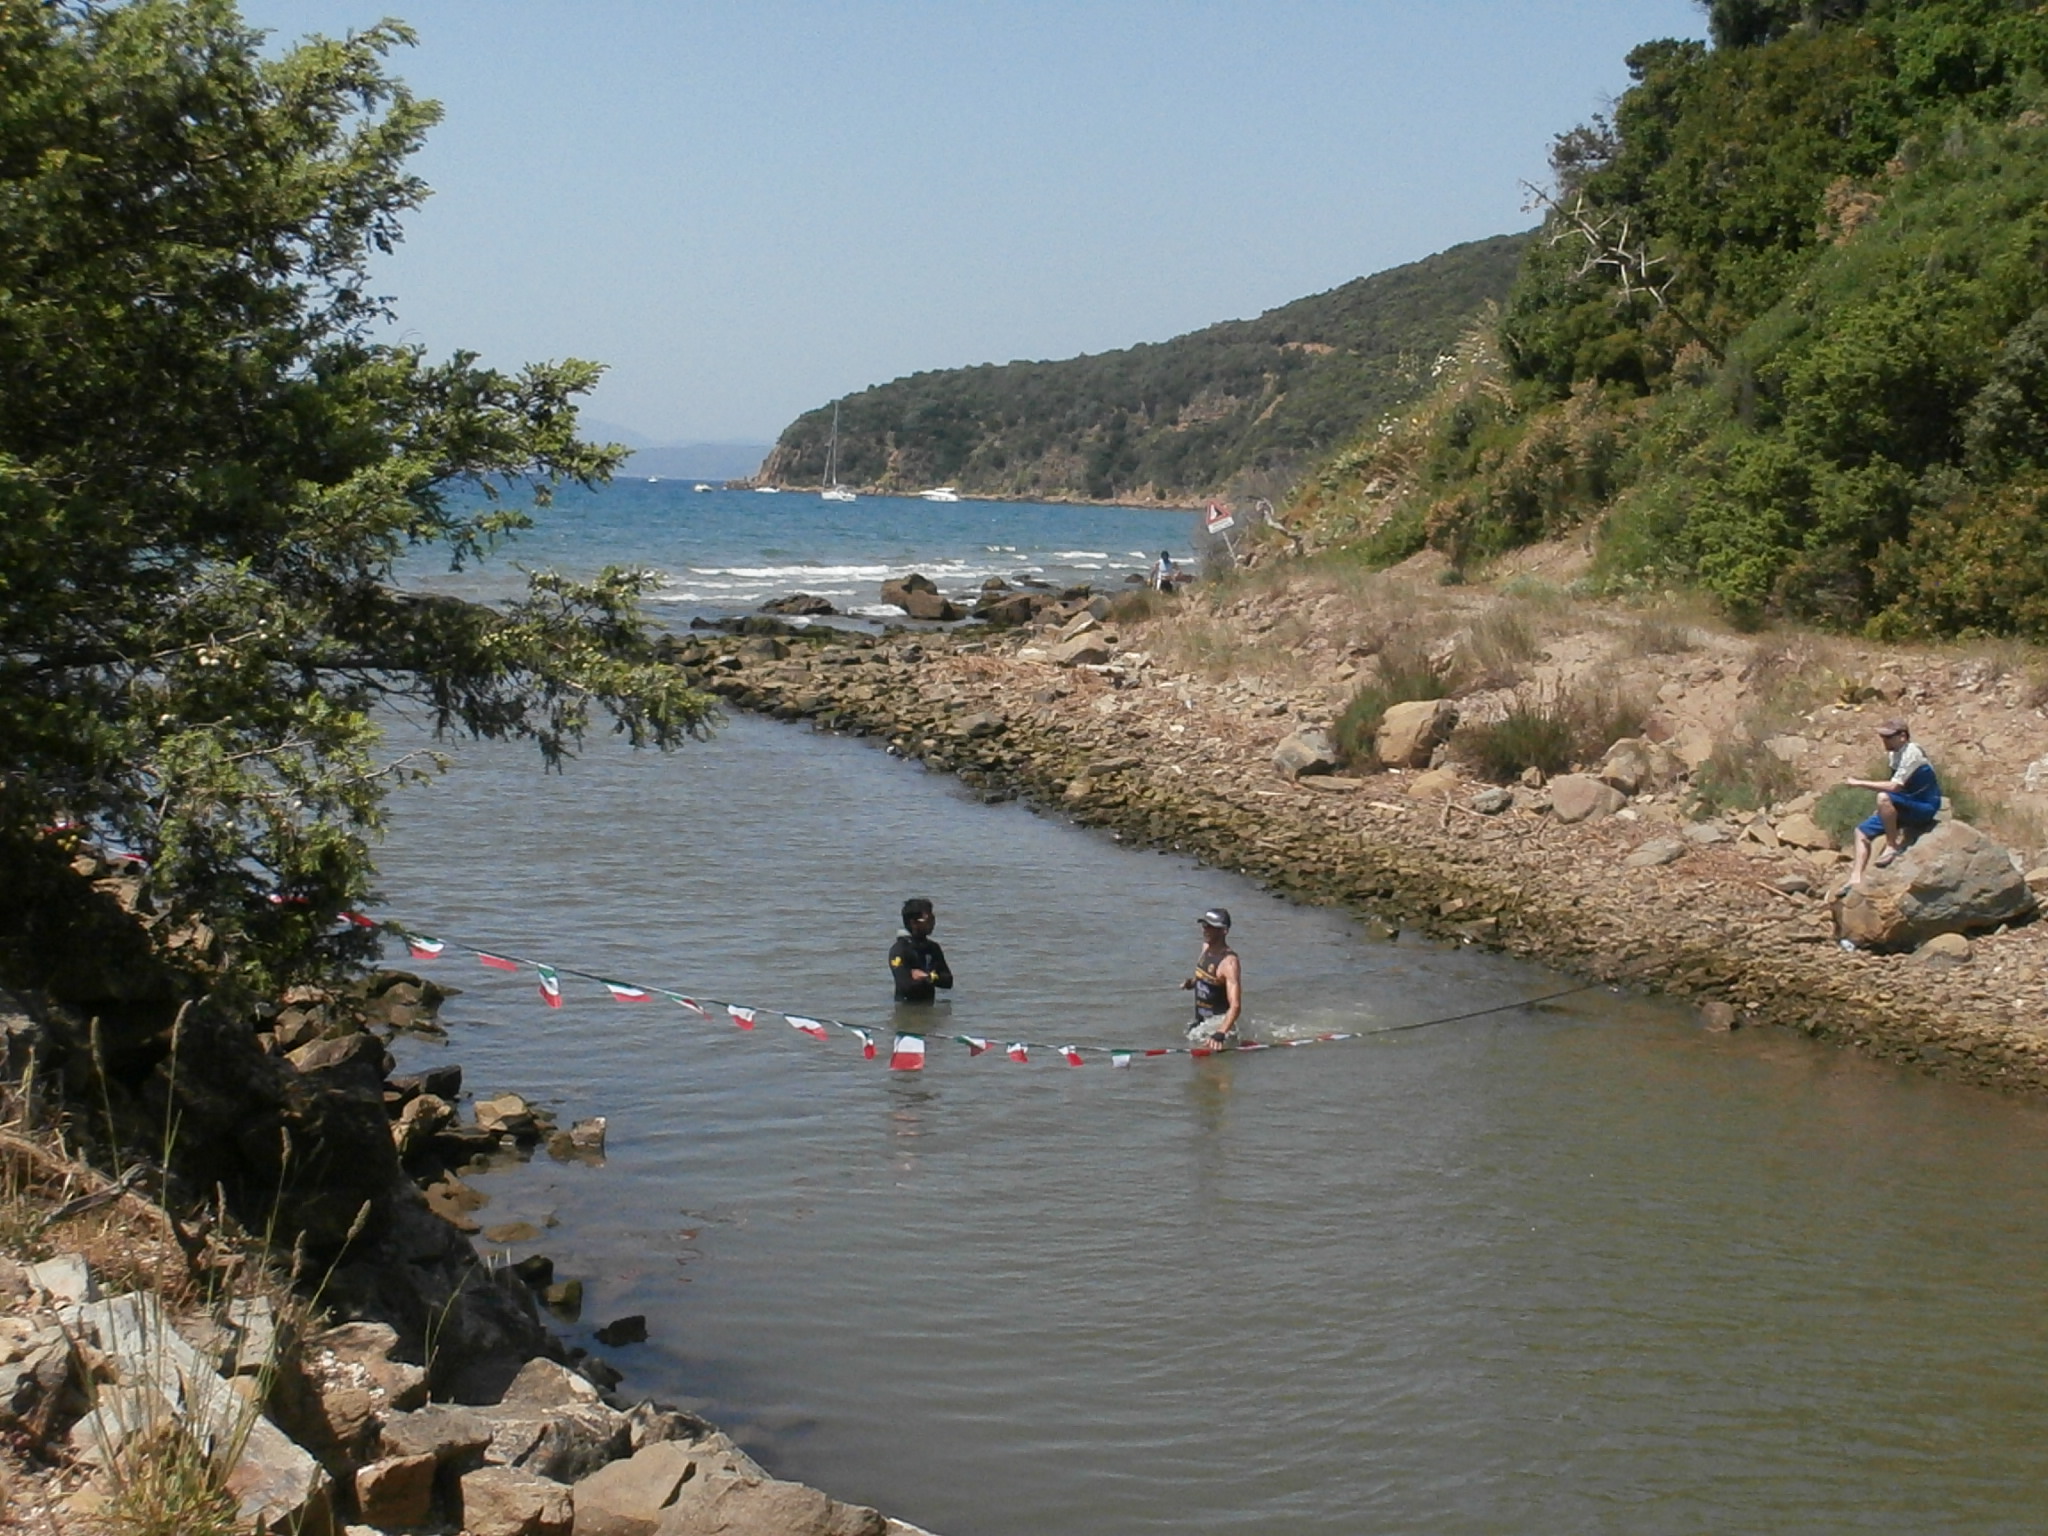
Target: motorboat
{"x":834,"y":491}
{"x":940,"y":493}
{"x":700,"y":486}
{"x":767,"y":490}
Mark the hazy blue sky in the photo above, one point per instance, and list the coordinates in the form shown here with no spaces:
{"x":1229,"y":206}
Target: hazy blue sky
{"x":746,"y":209}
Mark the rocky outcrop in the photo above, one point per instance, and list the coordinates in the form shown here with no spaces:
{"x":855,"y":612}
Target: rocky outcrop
{"x":917,"y":596}
{"x":1409,"y":734}
{"x":1305,"y":752}
{"x":1953,"y":879}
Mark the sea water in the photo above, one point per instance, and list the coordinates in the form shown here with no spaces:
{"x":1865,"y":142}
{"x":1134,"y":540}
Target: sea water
{"x":1581,"y":1266}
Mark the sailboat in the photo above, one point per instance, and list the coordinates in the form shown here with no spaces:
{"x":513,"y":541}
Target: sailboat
{"x":834,"y":491}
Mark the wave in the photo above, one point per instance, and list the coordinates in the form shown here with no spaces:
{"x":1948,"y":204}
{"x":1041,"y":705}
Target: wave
{"x":1079,"y":554}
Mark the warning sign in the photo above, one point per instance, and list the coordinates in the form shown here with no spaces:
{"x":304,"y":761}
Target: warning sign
{"x":1220,"y":519}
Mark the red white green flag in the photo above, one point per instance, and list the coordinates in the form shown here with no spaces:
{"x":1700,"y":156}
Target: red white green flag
{"x":1019,"y":1051}
{"x":974,"y":1043}
{"x":359,"y":920}
{"x":744,"y":1017}
{"x":550,"y":986}
{"x":867,"y":1041}
{"x":1073,"y":1056}
{"x":1119,"y":1058}
{"x":687,"y":1002}
{"x":424,"y":948}
{"x":812,"y":1027}
{"x":497,"y":962}
{"x":908,"y":1054}
{"x":625,"y":994}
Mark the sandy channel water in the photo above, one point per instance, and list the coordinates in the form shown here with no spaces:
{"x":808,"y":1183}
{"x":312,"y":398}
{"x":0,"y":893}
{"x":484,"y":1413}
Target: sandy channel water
{"x":1581,"y":1268}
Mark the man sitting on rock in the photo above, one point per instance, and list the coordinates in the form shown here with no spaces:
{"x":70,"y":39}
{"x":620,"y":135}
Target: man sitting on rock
{"x":1907,"y":802}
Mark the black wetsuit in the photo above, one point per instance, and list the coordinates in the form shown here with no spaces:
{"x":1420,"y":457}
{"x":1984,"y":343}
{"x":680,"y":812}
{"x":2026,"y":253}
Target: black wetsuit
{"x":908,"y":954}
{"x":1212,"y":997}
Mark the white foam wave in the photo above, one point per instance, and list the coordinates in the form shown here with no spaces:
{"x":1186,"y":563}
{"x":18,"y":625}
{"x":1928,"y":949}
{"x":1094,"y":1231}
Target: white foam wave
{"x":1079,"y":554}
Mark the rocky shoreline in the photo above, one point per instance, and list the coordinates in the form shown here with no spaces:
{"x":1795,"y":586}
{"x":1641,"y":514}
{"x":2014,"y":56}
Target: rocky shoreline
{"x":1075,"y":716}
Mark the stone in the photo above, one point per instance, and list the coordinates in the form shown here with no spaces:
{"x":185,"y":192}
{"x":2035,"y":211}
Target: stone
{"x":1758,"y":829}
{"x":1943,"y":951}
{"x":563,"y":1297}
{"x":1491,"y":802}
{"x":1635,"y":765}
{"x":1694,"y":744}
{"x":1082,"y":623}
{"x":1801,"y":831}
{"x":1090,"y":650}
{"x":1435,"y":784}
{"x":396,"y":1491}
{"x":507,"y":1114}
{"x":1953,"y":879}
{"x":446,"y":1432}
{"x":1410,"y":733}
{"x":651,"y":1423}
{"x":1306,"y":751}
{"x":536,"y":1269}
{"x":737,"y":1502}
{"x":506,"y":1501}
{"x":1657,"y":851}
{"x":420,"y":1120}
{"x":979,"y":727}
{"x":1705,"y":833}
{"x":1576,"y":797}
{"x":627,"y":1498}
{"x":506,"y":1232}
{"x":1720,"y":1017}
{"x":1787,"y":749}
{"x":799,"y":605}
{"x":548,"y":1384}
{"x":2037,"y":879}
{"x":564,"y":1441}
{"x":1330,"y":784}
{"x":1793,"y":885}
{"x":624,"y":1330}
{"x":328,"y":1055}
{"x":65,"y":1280}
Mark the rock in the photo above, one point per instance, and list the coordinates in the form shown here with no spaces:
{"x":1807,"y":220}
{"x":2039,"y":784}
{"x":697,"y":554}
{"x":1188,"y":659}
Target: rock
{"x":564,"y":1297}
{"x":65,"y":1280}
{"x":1954,"y":879}
{"x":348,"y":1050}
{"x":652,"y":1423}
{"x":1434,"y":784}
{"x":624,"y":1330}
{"x":419,"y":1122}
{"x":735,"y":1501}
{"x":918,"y":597}
{"x":1758,"y":829}
{"x":627,"y":1497}
{"x":536,"y":1269}
{"x":1705,"y":833}
{"x":1720,"y":1017}
{"x":1635,"y":765}
{"x":1090,"y":650}
{"x":1083,"y":623}
{"x":445,"y":1432}
{"x":1793,"y":885}
{"x":978,"y":727}
{"x":1576,"y":797}
{"x":548,"y":1384}
{"x":798,"y":605}
{"x":507,"y":1115}
{"x":1801,"y":831}
{"x":1657,"y":851}
{"x":2037,"y":879}
{"x":1410,"y":733}
{"x":552,"y":1422}
{"x":1307,"y":751}
{"x":1330,"y":784}
{"x":1491,"y":802}
{"x":1787,"y":749}
{"x":505,"y":1501}
{"x":1943,"y":951}
{"x":1008,"y":612}
{"x":1531,"y":777}
{"x":396,"y":1491}
{"x":507,"y":1232}
{"x":1694,"y":744}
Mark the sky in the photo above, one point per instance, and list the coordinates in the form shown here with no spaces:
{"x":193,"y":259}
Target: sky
{"x":749,"y":208}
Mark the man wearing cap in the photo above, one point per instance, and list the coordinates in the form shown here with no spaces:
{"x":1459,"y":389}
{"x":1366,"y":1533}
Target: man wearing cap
{"x":1907,"y":802}
{"x":1218,"y":984}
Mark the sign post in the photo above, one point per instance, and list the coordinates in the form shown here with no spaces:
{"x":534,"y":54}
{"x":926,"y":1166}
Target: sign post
{"x":1218,"y":525}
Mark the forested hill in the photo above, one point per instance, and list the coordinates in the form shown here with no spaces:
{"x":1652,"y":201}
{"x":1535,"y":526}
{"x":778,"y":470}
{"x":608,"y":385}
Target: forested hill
{"x":1786,"y":338}
{"x":1241,"y":407}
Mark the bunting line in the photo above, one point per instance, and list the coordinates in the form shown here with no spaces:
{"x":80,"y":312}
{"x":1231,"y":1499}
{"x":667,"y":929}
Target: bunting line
{"x":907,"y":1049}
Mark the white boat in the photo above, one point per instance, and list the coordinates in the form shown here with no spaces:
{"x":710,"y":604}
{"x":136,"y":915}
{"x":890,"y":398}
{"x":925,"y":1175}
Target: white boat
{"x":654,"y":479}
{"x":767,"y":490}
{"x":700,"y":486}
{"x":834,"y":491}
{"x":940,"y":493}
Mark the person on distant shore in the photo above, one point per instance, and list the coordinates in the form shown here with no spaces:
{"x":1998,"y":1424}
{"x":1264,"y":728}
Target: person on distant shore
{"x":1164,"y":575}
{"x":916,"y":963}
{"x":1907,"y":802}
{"x":1218,"y":984}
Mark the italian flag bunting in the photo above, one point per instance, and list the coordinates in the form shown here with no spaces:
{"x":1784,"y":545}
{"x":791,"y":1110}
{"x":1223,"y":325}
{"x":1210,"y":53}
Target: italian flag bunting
{"x":1018,"y":1051}
{"x":867,"y":1041}
{"x":625,"y":994}
{"x":1159,"y":1051}
{"x":974,"y":1043}
{"x":908,"y":1054}
{"x":359,"y":920}
{"x":1073,"y":1056}
{"x":1119,"y":1058}
{"x":744,"y":1017}
{"x":687,"y":1002}
{"x":497,"y":962}
{"x":550,"y":986}
{"x":424,"y":948}
{"x":811,"y":1027}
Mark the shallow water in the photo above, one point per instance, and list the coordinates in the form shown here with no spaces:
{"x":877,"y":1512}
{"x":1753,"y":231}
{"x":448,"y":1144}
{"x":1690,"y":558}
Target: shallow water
{"x":1578,"y":1268}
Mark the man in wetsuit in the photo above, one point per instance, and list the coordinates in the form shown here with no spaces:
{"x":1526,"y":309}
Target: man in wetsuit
{"x":916,"y":963}
{"x":1218,"y":984}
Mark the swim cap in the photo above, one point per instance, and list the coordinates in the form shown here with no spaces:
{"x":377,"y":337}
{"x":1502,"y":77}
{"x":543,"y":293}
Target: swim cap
{"x":1215,"y":917}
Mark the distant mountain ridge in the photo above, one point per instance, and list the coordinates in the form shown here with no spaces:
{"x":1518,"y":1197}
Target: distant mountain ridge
{"x":1242,"y":408}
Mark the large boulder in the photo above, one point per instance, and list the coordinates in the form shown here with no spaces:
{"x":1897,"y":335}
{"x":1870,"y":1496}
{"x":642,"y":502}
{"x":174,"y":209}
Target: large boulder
{"x":1309,"y":751}
{"x":505,"y":1501}
{"x":1409,"y":734}
{"x":1581,"y":797}
{"x":1089,"y":650}
{"x":918,"y":597}
{"x":799,"y":605}
{"x":1635,"y":765}
{"x":1952,"y":880}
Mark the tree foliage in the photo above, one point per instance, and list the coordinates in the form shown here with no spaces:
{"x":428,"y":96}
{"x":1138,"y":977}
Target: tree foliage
{"x":1818,"y":388}
{"x":1242,"y":406}
{"x":209,"y":468}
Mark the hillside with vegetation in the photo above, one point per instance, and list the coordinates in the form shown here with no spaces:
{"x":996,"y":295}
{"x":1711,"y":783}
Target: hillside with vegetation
{"x":1783,"y":335}
{"x":1242,"y":407}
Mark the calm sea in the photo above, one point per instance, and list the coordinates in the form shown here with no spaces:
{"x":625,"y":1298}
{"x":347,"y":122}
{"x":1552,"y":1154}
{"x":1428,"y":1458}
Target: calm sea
{"x":1575,"y":1268}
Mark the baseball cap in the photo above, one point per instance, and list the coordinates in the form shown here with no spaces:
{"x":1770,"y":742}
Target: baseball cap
{"x":1891,"y":727}
{"x":1215,"y":917}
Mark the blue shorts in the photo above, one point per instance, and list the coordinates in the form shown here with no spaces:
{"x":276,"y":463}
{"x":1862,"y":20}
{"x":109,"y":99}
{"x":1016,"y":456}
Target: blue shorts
{"x":1916,"y":814}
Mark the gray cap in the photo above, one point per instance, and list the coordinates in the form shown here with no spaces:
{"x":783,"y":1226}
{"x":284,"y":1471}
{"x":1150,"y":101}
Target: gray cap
{"x":1215,"y":917}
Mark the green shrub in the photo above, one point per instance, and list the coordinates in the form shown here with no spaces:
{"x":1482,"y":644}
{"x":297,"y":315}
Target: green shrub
{"x":1837,"y":812}
{"x":1535,"y":733}
{"x":1406,"y":675}
{"x":1742,"y":776}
